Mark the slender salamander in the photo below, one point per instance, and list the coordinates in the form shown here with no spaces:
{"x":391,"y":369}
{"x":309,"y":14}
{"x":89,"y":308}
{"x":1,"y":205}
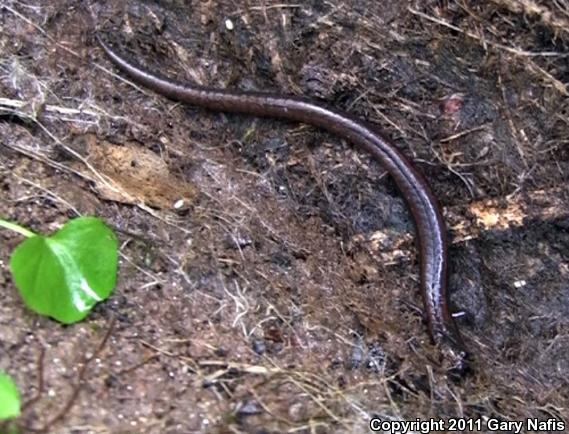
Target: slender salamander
{"x":427,"y":215}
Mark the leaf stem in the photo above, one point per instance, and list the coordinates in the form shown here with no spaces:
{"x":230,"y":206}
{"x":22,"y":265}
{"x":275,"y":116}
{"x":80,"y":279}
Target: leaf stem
{"x":16,"y":228}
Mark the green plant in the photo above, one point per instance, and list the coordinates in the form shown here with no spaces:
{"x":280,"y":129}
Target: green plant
{"x":9,"y":398}
{"x":65,"y":274}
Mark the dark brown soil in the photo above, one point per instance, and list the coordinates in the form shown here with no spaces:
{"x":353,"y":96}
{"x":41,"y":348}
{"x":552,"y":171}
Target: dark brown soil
{"x":281,"y":293}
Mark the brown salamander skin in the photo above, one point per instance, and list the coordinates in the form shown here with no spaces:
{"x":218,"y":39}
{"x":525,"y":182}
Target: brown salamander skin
{"x":429,"y":224}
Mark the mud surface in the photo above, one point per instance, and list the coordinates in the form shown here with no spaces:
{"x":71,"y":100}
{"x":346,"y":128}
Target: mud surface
{"x":269,"y":278}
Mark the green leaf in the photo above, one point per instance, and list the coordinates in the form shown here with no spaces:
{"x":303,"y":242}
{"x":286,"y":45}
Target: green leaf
{"x":64,"y":275}
{"x":9,"y":398}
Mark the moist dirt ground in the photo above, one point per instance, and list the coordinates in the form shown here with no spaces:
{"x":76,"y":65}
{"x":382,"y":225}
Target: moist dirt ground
{"x":269,"y":280}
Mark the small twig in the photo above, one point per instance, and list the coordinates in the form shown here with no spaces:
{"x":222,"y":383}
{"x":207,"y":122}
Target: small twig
{"x":516,"y":51}
{"x":517,"y":133}
{"x":109,"y":183}
{"x":15,"y":104}
{"x":463,"y":133}
{"x":268,"y":7}
{"x":267,"y":410}
{"x":39,"y":157}
{"x":80,"y":379}
{"x":30,"y":22}
{"x":49,"y":193}
{"x":451,"y":168}
{"x":137,"y":365}
{"x":560,"y":86}
{"x":532,"y":8}
{"x":39,"y":393}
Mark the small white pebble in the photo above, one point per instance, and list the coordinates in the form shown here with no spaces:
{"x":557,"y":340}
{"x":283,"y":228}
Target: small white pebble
{"x":179,"y":204}
{"x":520,"y":283}
{"x":229,"y":24}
